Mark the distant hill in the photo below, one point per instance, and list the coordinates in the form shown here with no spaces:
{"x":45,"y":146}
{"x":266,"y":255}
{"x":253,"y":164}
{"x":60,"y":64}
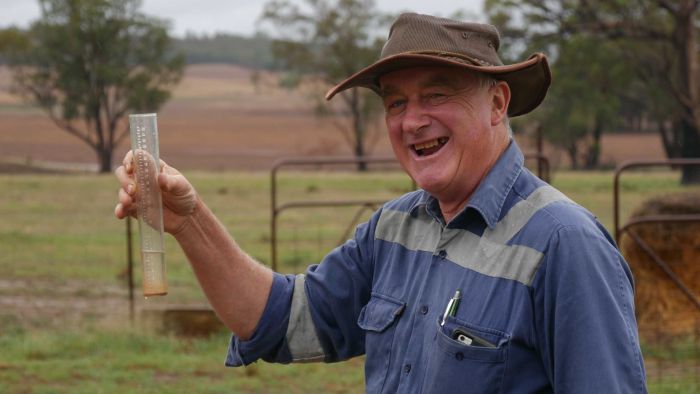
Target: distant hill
{"x":252,"y":52}
{"x":247,"y":51}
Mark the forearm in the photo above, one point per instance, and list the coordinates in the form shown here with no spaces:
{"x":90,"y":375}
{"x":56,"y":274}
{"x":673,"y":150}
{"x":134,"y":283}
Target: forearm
{"x":236,"y":285}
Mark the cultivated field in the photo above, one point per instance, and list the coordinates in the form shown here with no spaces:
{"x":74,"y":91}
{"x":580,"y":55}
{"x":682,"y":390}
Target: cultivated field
{"x":64,"y":323}
{"x":218,"y":120}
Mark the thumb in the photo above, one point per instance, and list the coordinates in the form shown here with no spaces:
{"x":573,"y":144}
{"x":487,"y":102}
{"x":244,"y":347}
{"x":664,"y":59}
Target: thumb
{"x":174,"y":184}
{"x":167,"y":182}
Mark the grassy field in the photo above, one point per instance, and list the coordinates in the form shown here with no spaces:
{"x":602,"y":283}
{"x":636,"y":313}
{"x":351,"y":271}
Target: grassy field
{"x":63,"y":307}
{"x":127,"y":361}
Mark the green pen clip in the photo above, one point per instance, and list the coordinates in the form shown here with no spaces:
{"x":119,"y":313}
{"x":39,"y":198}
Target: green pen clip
{"x":452,"y":306}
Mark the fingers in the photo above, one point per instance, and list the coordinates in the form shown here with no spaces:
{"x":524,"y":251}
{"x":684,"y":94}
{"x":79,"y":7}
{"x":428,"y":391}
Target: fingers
{"x":126,"y":179}
{"x":128,"y":162}
{"x":125,"y":176}
{"x":125,"y":198}
{"x":126,"y":206}
{"x":121,"y":212}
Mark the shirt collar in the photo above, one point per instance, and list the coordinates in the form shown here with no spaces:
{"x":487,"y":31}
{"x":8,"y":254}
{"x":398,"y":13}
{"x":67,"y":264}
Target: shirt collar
{"x":490,"y":195}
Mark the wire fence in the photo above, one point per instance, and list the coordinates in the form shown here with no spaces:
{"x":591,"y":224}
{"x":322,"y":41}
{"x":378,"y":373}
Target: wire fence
{"x":672,"y":362}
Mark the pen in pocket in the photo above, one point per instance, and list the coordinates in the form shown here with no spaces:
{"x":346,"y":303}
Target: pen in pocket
{"x":452,"y":305}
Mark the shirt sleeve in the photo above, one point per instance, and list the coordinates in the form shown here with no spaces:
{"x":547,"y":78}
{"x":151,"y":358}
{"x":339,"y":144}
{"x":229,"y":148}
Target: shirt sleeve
{"x":268,"y":341}
{"x":586,"y":326}
{"x":313,"y":317}
{"x":337,"y":290}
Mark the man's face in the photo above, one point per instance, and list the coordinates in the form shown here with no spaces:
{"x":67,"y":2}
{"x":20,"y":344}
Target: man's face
{"x":442,"y":124}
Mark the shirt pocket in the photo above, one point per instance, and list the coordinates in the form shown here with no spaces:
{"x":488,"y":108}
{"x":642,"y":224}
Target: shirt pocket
{"x":378,"y":318}
{"x":454,"y":366}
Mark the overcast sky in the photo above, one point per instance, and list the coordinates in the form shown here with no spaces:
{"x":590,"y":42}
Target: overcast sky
{"x":229,"y":16}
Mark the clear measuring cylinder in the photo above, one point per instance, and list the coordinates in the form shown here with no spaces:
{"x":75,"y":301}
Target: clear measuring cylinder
{"x":144,"y":146}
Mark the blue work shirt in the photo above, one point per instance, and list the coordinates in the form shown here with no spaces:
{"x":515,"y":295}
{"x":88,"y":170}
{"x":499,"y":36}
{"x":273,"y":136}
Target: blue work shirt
{"x":546,"y":304}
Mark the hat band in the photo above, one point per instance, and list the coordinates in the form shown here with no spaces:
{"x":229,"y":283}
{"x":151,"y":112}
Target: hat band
{"x":450,"y":55}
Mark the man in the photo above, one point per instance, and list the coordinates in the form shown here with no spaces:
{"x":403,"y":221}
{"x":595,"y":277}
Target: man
{"x":487,"y":280}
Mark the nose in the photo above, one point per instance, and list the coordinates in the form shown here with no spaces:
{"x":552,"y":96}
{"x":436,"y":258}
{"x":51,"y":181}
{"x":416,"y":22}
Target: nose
{"x":415,"y":118}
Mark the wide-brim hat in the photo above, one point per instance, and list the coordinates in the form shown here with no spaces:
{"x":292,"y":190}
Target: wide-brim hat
{"x":423,"y":40}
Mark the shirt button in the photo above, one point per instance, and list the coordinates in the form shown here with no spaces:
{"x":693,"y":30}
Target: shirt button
{"x":407,"y":368}
{"x":424,"y":309}
{"x":459,"y":356}
{"x":442,"y":254}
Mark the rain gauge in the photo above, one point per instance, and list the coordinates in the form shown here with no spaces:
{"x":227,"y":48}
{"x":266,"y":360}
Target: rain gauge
{"x":144,"y":146}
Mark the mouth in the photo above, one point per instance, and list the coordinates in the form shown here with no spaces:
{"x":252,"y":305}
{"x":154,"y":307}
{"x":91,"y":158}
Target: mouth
{"x":430,"y":147}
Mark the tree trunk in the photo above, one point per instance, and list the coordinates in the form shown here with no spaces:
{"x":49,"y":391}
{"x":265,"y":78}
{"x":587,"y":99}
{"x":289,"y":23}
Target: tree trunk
{"x":358,"y":128}
{"x":104,"y":158}
{"x":573,"y":155}
{"x":671,"y":138}
{"x":360,"y":153}
{"x":690,"y":149}
{"x":593,"y":154}
{"x":686,"y":39}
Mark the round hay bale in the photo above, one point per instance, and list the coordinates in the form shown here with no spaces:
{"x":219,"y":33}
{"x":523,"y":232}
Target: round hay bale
{"x":664,"y":311}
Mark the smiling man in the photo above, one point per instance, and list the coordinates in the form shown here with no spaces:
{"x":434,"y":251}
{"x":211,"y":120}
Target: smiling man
{"x":486,"y":280}
{"x":447,"y":128}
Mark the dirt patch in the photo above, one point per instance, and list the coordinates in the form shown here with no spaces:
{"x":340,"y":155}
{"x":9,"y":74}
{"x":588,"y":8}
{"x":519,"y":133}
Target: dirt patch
{"x":16,"y":168}
{"x":47,"y":303}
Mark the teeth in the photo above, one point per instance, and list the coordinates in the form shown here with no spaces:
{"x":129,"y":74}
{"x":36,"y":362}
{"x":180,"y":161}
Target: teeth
{"x":426,"y":145}
{"x":430,"y":144}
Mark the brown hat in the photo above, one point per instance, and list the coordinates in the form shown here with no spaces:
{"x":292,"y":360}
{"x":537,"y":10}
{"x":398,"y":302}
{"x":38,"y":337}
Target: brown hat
{"x":424,"y":40}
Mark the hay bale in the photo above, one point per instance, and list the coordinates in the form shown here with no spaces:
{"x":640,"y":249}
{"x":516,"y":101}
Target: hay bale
{"x":664,"y":312}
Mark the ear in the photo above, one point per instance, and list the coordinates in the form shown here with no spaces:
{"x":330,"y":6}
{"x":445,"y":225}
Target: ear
{"x":499,"y":102}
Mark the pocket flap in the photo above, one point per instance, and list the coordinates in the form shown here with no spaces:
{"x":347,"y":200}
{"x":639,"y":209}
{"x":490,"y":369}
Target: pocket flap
{"x":380,"y":312}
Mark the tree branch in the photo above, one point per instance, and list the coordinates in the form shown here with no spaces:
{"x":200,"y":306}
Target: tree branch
{"x":345,"y":132}
{"x":624,"y":29}
{"x":68,"y":127}
{"x":40,"y":98}
{"x":667,"y":6}
{"x":121,"y":135}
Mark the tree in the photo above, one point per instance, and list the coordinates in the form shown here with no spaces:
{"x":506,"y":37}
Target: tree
{"x":590,"y":77}
{"x":328,"y":40}
{"x":592,"y":84}
{"x":661,"y":37}
{"x":669,"y":32}
{"x":88,"y":63}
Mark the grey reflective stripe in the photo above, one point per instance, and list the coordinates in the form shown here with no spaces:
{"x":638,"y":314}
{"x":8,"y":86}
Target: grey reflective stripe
{"x":518,"y":216}
{"x":301,"y":332}
{"x":515,"y":262}
{"x":489,"y":254}
{"x":415,"y":233}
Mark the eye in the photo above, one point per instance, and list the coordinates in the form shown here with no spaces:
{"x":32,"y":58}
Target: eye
{"x":435,"y":98}
{"x":394,"y":106}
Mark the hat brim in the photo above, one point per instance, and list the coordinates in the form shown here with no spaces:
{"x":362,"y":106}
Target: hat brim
{"x":528,"y":80}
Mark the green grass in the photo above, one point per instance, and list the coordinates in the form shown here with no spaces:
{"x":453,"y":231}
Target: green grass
{"x":58,"y":230}
{"x":111,"y":361}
